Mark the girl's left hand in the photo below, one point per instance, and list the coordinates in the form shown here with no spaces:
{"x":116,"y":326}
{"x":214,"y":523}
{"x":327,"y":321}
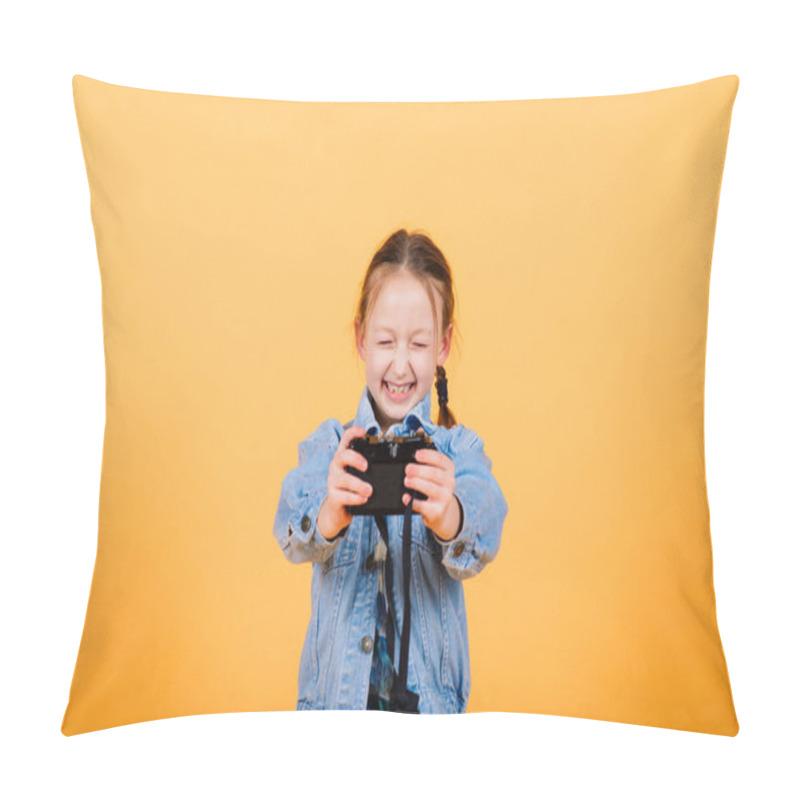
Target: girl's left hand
{"x":434,"y":476}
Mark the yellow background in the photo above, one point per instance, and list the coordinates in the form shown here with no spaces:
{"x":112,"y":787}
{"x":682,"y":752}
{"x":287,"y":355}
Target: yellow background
{"x":232,"y":236}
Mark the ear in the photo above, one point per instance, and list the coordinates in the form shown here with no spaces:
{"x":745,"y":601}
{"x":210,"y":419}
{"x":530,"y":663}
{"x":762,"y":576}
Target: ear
{"x":359,"y":334}
{"x":444,"y":347}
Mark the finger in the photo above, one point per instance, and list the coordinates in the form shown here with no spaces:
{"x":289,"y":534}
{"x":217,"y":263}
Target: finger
{"x":353,"y":484}
{"x":346,"y":455}
{"x":434,"y":474}
{"x":354,"y":459}
{"x":434,"y":491}
{"x":421,"y":507}
{"x":343,"y":497}
{"x":349,"y":434}
{"x":427,"y":471}
{"x":434,"y":465}
{"x":427,"y":456}
{"x":416,"y":502}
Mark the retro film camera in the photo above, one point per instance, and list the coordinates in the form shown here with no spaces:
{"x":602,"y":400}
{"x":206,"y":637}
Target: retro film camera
{"x":387,"y":458}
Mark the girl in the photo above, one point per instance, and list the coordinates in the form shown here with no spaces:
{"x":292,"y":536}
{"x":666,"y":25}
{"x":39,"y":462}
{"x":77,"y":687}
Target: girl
{"x":403,"y":331}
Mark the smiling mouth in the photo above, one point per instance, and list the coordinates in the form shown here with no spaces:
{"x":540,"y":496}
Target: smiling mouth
{"x":391,"y":390}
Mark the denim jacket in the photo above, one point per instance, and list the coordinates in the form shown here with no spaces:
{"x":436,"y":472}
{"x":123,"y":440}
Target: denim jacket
{"x":337,"y":652}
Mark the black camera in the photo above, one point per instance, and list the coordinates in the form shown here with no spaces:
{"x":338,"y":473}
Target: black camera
{"x":386,"y":470}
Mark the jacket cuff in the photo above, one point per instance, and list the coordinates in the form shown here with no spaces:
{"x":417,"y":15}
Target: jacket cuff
{"x":304,"y":533}
{"x":460,"y":525}
{"x":459,"y":553}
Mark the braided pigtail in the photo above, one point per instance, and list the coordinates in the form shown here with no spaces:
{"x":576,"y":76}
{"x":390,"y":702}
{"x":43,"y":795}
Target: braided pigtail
{"x":446,"y":417}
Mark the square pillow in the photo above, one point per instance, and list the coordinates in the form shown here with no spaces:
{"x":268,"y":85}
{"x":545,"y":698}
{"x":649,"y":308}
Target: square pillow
{"x":232,"y":235}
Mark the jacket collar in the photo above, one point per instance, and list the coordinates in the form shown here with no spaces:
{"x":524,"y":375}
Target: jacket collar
{"x":418,"y":417}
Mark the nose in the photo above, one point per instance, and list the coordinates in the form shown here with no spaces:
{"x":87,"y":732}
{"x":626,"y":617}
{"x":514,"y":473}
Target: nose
{"x":401,"y":360}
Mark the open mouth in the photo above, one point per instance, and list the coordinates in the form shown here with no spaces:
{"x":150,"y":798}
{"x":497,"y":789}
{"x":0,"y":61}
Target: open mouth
{"x":397,"y":393}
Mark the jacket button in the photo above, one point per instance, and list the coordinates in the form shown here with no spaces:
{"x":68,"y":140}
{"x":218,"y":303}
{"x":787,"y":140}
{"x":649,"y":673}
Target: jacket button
{"x":366,"y":644}
{"x":305,"y":523}
{"x":458,"y":549}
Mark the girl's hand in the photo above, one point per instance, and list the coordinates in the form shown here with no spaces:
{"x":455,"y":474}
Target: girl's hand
{"x":434,"y":476}
{"x":344,"y":489}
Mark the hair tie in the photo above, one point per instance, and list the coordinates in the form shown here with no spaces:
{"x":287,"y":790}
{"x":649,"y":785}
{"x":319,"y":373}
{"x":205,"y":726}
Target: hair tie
{"x":441,"y":385}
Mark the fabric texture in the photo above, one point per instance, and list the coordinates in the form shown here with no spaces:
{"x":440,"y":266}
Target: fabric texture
{"x":232,"y":235}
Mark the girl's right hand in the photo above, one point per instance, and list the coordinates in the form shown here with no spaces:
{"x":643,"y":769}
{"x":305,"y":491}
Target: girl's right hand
{"x":344,"y":489}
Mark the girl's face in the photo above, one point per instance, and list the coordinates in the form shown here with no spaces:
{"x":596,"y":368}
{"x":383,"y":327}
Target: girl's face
{"x":398,"y":348}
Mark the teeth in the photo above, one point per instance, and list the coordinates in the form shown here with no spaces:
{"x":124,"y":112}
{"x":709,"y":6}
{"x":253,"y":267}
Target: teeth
{"x":394,"y":389}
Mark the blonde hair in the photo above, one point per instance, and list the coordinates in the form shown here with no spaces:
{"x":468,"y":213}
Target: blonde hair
{"x":416,"y":254}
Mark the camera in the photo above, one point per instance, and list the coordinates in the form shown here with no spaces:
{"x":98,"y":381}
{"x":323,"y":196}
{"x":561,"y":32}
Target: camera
{"x":386,"y":470}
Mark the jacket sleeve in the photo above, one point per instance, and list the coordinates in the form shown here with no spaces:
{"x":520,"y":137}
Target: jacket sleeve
{"x":483,"y":505}
{"x":302,"y":493}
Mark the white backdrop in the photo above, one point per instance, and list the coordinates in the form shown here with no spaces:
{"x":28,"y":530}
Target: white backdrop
{"x":53,"y":386}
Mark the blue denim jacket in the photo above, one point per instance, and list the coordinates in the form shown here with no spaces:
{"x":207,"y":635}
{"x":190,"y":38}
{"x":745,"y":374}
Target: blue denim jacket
{"x":337,"y":653}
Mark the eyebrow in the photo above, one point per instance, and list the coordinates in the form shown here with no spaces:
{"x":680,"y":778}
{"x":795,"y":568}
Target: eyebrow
{"x":385,"y":329}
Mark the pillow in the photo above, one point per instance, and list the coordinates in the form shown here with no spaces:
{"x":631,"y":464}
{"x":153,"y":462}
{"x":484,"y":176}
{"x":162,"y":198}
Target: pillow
{"x":232,"y":235}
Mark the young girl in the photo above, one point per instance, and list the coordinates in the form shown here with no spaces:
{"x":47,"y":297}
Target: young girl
{"x":403,"y":331}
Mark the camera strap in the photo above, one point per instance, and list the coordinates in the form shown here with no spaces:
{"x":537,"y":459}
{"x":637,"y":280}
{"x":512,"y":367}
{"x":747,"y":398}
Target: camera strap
{"x":404,"y":700}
